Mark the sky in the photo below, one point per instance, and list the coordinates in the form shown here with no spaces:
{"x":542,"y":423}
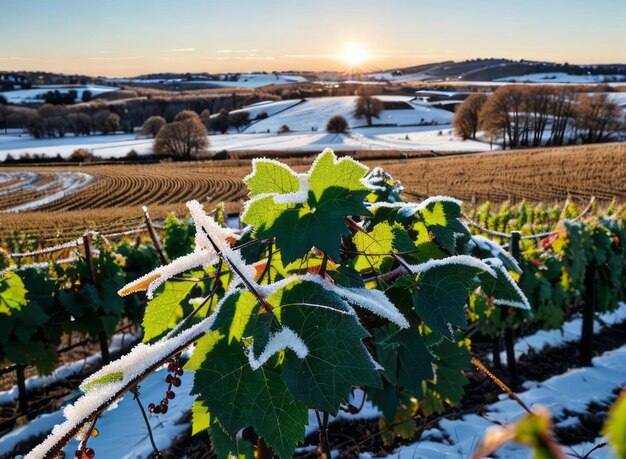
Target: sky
{"x":132,"y":37}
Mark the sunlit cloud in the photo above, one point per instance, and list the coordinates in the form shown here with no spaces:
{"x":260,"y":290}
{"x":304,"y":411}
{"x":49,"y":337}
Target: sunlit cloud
{"x":115,"y":58}
{"x":181,"y":50}
{"x":12,"y":58}
{"x":235,"y":51}
{"x":246,"y":58}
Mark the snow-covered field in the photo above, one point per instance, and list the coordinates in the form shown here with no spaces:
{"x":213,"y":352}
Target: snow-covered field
{"x":104,"y":146}
{"x":454,"y":439}
{"x":561,"y":77}
{"x":416,"y":127}
{"x":26,"y":96}
{"x":245,"y":80}
{"x":55,"y":186}
{"x":313,"y":114}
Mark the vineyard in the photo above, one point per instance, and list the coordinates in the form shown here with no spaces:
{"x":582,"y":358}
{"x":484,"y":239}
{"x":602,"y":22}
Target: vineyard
{"x":110,"y":200}
{"x":340,"y":320}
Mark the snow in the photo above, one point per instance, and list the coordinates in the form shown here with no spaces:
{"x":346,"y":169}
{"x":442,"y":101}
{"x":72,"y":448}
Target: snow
{"x":65,"y":371}
{"x":29,"y":96}
{"x":296,"y":197}
{"x":65,"y":183}
{"x":131,"y":366}
{"x":465,"y":260}
{"x":497,"y":264}
{"x":569,"y":333}
{"x":389,"y":76}
{"x":104,"y":146}
{"x":561,"y":77}
{"x":314,"y":113}
{"x":245,"y":80}
{"x":284,"y":339}
{"x":570,"y":392}
{"x":494,"y":249}
{"x":203,"y":255}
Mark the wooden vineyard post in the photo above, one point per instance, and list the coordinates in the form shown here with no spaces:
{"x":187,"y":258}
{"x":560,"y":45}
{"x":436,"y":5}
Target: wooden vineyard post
{"x":155,"y":238}
{"x":509,"y":334}
{"x":21,"y":388}
{"x":586,"y":336}
{"x":103,"y":339}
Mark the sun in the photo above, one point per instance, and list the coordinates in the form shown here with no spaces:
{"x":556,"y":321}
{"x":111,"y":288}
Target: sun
{"x":355,"y":55}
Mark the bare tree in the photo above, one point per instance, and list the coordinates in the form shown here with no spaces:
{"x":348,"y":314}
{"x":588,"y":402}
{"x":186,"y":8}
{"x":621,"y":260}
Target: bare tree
{"x":152,"y":126}
{"x":597,"y":117}
{"x":182,"y":138}
{"x":466,"y":119}
{"x":368,"y":107}
{"x":337,"y":124}
{"x":106,"y":122}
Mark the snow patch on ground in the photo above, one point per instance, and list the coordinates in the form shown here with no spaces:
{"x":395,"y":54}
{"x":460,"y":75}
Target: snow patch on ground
{"x":29,"y":96}
{"x":568,"y":334}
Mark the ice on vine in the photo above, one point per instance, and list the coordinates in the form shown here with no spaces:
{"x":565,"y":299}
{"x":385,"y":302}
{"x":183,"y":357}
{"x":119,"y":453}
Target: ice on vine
{"x":204,"y":253}
{"x":465,"y":260}
{"x":132,"y":365}
{"x":284,"y":339}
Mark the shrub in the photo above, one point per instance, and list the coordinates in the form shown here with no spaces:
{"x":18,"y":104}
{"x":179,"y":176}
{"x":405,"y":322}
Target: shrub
{"x":337,"y":124}
{"x":152,"y":126}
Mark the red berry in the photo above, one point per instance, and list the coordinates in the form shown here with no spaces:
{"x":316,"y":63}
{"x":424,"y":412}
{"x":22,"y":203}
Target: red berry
{"x":151,"y":407}
{"x":171,"y":367}
{"x":179,"y":372}
{"x":176,"y":382}
{"x":89,"y":452}
{"x":168,"y":379}
{"x":78,"y":453}
{"x":163,"y":409}
{"x":170,"y":394}
{"x":157,"y":409}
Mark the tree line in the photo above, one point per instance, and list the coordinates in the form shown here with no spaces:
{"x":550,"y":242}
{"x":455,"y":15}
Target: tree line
{"x":531,"y":116}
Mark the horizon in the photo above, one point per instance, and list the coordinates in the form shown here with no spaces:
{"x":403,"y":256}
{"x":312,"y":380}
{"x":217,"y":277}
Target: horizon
{"x":121,"y":40}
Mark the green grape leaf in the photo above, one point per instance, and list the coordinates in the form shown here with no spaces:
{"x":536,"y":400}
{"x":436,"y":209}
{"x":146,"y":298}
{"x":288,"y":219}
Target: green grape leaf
{"x":230,"y":446}
{"x":615,"y":427}
{"x":269,"y":176}
{"x":12,"y":293}
{"x":108,"y":378}
{"x":200,"y":418}
{"x":335,"y":192}
{"x":337,"y":359}
{"x":440,"y":295}
{"x":166,"y":309}
{"x":502,"y":288}
{"x":239,"y":397}
{"x":453,"y":359}
{"x":382,"y":239}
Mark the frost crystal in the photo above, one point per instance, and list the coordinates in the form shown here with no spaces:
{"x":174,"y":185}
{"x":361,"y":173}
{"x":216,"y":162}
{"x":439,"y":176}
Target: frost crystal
{"x":284,"y":339}
{"x":203,"y":255}
{"x":495,"y":250}
{"x":524,"y":304}
{"x":454,"y":260}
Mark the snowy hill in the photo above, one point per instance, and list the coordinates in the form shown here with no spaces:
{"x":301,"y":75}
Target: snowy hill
{"x":29,"y":96}
{"x":313,"y":114}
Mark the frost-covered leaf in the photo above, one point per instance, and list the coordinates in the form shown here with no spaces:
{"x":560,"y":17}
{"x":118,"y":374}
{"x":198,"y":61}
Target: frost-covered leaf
{"x":502,"y":288}
{"x":335,"y":191}
{"x":239,"y":397}
{"x":337,"y":359}
{"x":441,"y":290}
{"x":270,"y":176}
